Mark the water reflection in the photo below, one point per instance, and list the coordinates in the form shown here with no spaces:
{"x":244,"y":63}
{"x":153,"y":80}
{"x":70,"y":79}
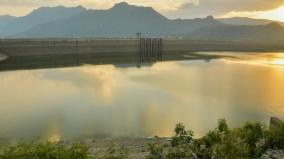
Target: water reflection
{"x":106,"y":100}
{"x":264,"y":59}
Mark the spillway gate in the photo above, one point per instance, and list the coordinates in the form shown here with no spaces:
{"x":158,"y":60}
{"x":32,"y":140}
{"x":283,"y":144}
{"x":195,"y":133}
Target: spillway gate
{"x":150,"y":50}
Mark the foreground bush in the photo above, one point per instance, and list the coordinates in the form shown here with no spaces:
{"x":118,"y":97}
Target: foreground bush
{"x":275,"y":138}
{"x":45,"y":151}
{"x":248,"y":142}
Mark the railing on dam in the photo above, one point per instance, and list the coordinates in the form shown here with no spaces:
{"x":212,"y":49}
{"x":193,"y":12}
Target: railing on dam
{"x":150,"y":50}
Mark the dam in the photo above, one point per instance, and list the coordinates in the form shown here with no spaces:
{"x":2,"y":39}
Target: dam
{"x":45,"y":53}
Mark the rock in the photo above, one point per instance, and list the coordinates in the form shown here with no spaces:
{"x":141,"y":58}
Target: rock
{"x":274,"y":123}
{"x":273,"y":154}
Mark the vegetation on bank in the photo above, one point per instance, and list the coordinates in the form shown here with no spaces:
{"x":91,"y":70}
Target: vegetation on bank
{"x":248,"y":142}
{"x":45,"y":151}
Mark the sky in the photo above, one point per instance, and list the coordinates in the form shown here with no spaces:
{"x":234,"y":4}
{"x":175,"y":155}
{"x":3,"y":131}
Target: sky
{"x":267,"y":9}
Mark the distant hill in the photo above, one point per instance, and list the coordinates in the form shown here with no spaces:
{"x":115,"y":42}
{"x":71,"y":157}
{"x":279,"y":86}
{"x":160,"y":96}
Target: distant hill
{"x":39,"y":16}
{"x":247,"y":21}
{"x":124,"y":20}
{"x":269,"y":32}
{"x":180,"y":27}
{"x":6,"y":19}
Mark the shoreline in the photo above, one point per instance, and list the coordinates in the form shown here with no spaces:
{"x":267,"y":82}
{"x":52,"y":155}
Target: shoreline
{"x":266,"y":145}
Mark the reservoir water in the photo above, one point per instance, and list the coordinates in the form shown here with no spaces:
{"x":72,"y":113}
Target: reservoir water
{"x":125,"y":100}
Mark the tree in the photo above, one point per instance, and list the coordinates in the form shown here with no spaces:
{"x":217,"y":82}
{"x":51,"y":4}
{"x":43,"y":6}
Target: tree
{"x":223,"y":126}
{"x":182,"y":136}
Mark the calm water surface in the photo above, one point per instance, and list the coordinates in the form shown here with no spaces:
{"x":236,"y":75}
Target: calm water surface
{"x":112,"y":100}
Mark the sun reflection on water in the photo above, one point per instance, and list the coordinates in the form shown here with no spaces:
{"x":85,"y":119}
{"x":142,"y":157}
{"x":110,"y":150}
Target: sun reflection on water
{"x":263,"y":59}
{"x":278,"y":62}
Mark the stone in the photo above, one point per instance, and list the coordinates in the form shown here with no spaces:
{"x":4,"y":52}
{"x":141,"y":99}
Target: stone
{"x":273,"y":154}
{"x":274,"y":123}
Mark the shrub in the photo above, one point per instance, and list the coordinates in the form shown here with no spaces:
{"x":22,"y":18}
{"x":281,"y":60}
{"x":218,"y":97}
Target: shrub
{"x":222,"y":126}
{"x":182,"y":144}
{"x":45,"y":151}
{"x":204,"y":147}
{"x":221,"y":143}
{"x":253,"y":134}
{"x":275,"y":137}
{"x":182,"y":136}
{"x":156,"y":151}
{"x":116,"y":153}
{"x":181,"y":152}
{"x":230,"y":147}
{"x":247,"y":142}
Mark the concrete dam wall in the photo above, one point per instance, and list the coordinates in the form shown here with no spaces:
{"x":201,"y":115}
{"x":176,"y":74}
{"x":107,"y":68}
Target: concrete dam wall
{"x":27,"y":47}
{"x":61,"y":52}
{"x":20,"y":47}
{"x":46,"y":53}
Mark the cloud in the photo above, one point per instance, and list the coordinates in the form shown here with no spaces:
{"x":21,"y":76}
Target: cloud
{"x":97,"y":4}
{"x":25,"y":3}
{"x":221,"y":7}
{"x":239,"y":5}
{"x":188,"y":5}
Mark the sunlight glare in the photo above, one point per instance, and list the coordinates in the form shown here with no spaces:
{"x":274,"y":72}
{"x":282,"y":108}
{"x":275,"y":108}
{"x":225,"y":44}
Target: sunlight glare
{"x":276,"y":14}
{"x":278,"y":62}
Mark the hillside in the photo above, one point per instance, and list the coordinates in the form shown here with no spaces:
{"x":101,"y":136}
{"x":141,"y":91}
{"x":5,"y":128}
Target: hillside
{"x":269,"y":32}
{"x":247,"y":21}
{"x":124,"y":20}
{"x":6,"y":19}
{"x":39,"y":16}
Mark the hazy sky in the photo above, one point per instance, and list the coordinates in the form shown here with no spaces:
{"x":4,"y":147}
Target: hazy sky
{"x":271,"y":9}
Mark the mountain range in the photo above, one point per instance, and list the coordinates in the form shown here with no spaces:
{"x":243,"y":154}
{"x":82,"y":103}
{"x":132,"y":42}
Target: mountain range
{"x":38,"y":16}
{"x":248,"y":21}
{"x":6,"y":19}
{"x":124,"y":20}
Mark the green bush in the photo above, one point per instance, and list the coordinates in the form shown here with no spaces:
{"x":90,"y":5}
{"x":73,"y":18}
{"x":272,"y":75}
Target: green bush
{"x":45,"y":151}
{"x":221,"y":143}
{"x":253,"y":134}
{"x":226,"y":143}
{"x":275,"y":138}
{"x":247,"y":142}
{"x":231,"y":146}
{"x":156,"y":151}
{"x":181,"y":152}
{"x":116,"y":153}
{"x":223,"y":126}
